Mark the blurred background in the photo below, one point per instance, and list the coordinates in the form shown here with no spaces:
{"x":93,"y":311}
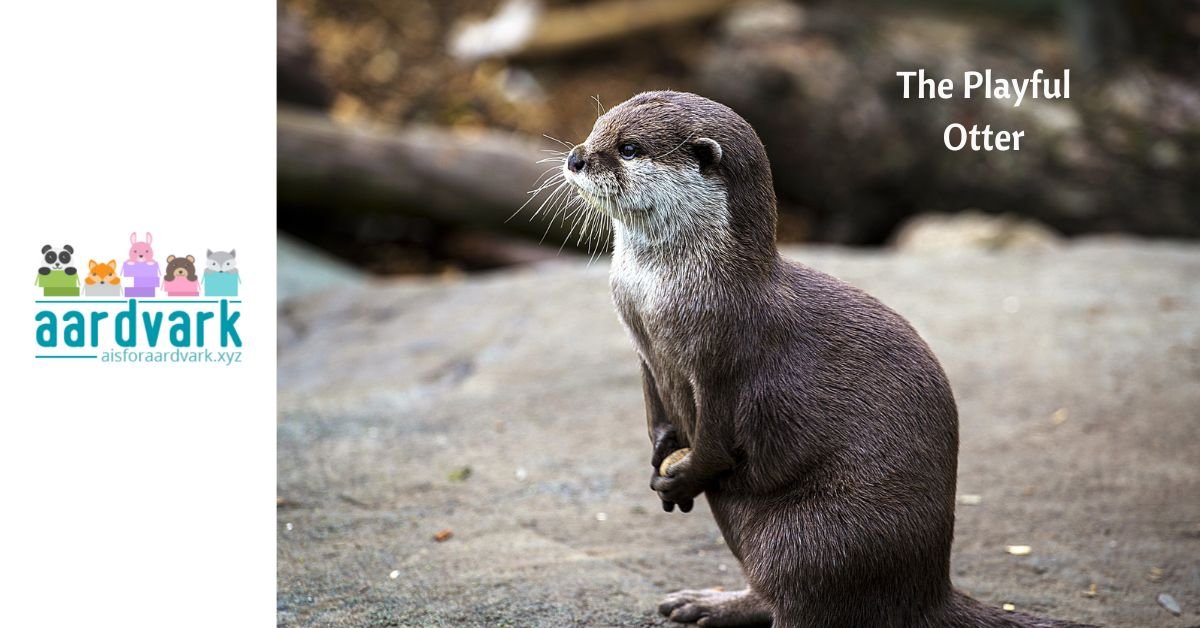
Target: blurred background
{"x":409,"y":130}
{"x":459,"y":447}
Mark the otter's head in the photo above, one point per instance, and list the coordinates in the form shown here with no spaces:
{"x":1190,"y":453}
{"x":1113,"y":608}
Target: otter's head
{"x":670,"y":165}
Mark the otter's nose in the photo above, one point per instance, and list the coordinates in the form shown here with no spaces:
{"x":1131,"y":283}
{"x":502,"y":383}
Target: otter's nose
{"x":574,"y":161}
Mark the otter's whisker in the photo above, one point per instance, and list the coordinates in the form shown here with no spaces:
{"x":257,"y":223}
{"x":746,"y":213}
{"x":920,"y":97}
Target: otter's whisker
{"x":555,"y":139}
{"x":598,"y":236}
{"x":569,"y":210}
{"x":551,"y":180}
{"x":552,"y":169}
{"x":557,"y":203}
{"x":566,"y":212}
{"x":589,"y":229}
{"x":574,"y":224}
{"x":585,"y":232}
{"x":594,"y":255}
{"x":557,"y":178}
{"x":550,"y":200}
{"x":550,"y":222}
{"x":553,"y":198}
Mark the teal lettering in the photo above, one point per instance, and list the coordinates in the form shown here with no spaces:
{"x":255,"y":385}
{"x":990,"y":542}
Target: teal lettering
{"x":200,"y":318}
{"x":181,"y":331}
{"x":127,"y":320}
{"x":228,"y":332}
{"x":153,"y":326}
{"x":47,"y":332}
{"x":96,"y":318}
{"x":73,"y":328}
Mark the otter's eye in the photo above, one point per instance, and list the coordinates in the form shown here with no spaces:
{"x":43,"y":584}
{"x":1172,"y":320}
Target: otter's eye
{"x":629,"y":151}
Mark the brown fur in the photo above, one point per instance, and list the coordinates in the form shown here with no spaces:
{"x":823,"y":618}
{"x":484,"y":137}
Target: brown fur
{"x":824,"y":433}
{"x":180,"y":267}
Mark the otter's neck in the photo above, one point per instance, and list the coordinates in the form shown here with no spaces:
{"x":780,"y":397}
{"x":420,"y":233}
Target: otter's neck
{"x":713,"y":256}
{"x":699,"y":237}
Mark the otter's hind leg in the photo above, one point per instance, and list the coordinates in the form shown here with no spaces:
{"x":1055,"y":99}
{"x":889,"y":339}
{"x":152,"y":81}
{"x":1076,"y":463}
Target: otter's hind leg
{"x":712,"y":607}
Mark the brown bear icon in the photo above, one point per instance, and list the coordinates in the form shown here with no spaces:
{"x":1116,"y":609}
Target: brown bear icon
{"x":180,"y":279}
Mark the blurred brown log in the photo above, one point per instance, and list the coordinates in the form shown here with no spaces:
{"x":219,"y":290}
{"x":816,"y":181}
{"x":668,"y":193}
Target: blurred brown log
{"x":477,"y":179}
{"x":524,"y":29}
{"x":485,"y":249}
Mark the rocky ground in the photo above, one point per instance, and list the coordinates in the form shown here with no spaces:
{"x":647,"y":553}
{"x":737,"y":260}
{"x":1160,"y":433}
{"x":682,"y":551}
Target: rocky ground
{"x":506,"y":409}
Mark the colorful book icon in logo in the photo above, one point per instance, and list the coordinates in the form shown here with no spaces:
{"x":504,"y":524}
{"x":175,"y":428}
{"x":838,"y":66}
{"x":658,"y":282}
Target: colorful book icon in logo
{"x":221,"y":277}
{"x":140,"y":268}
{"x":180,"y":279}
{"x":102,"y":279}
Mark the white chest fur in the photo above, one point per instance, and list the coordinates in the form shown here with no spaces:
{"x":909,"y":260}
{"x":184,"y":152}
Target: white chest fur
{"x":640,"y":285}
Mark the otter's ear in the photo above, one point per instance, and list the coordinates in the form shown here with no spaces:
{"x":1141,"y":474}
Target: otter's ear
{"x":708,"y":152}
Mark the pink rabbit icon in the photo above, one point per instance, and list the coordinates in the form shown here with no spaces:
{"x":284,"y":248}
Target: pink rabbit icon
{"x":141,"y":267}
{"x":141,"y":251}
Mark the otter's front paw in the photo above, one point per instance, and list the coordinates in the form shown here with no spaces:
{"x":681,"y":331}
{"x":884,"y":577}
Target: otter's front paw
{"x":680,"y":486}
{"x":665,"y":442}
{"x":669,"y":506}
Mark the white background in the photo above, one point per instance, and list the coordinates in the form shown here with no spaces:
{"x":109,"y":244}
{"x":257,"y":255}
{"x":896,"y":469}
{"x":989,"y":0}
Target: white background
{"x":122,"y":506}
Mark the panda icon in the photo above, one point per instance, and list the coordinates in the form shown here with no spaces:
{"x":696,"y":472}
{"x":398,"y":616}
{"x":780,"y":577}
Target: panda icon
{"x":57,"y":259}
{"x":58,"y":278}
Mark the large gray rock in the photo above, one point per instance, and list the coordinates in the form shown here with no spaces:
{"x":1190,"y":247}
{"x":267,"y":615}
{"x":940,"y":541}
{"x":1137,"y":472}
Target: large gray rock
{"x":303,"y":269}
{"x":1075,"y":370}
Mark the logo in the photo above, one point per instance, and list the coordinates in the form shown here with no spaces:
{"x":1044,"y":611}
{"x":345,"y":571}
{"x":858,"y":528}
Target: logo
{"x":138,"y":310}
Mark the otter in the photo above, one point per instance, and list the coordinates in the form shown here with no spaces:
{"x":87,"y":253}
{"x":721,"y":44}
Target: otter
{"x":821,"y":428}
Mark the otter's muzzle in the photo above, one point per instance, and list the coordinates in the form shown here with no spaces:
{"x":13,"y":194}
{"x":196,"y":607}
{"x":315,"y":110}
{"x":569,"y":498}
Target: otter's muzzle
{"x":575,"y":160}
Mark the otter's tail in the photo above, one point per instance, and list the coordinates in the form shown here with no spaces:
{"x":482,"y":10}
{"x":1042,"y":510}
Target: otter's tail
{"x":965,"y":611}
